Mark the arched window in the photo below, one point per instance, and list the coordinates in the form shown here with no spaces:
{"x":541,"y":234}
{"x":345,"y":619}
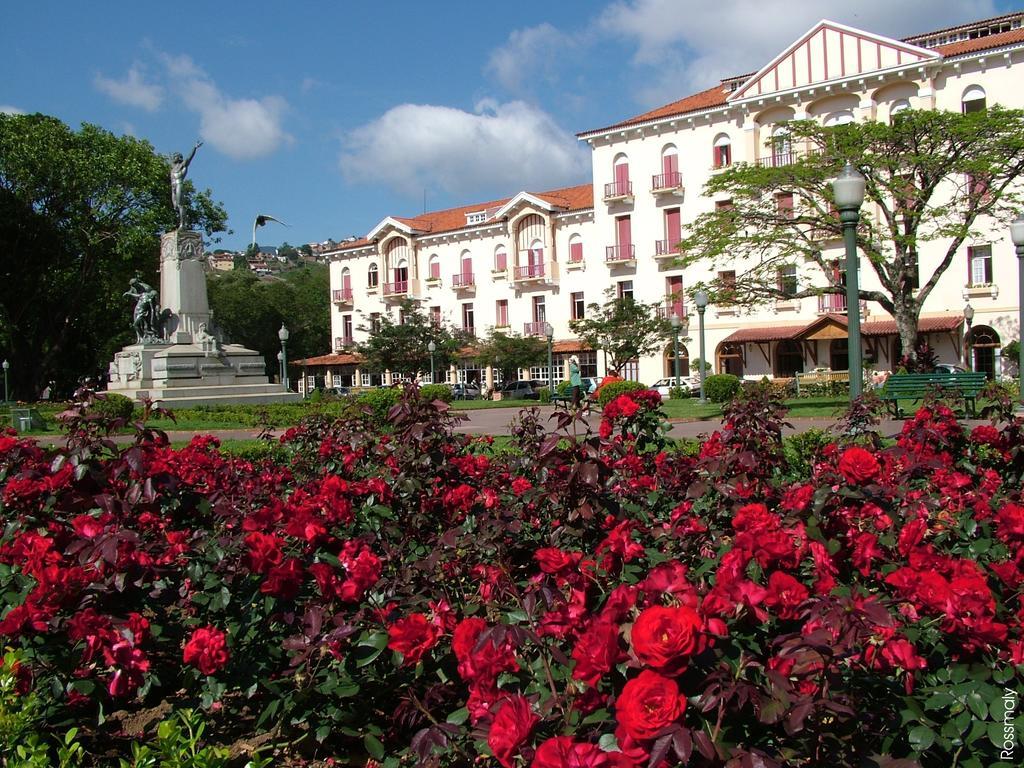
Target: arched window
{"x":983,"y":342}
{"x":530,"y":234}
{"x":973,"y":99}
{"x":500,"y":258}
{"x":621,"y":186}
{"x":372,"y":276}
{"x":900,"y":105}
{"x":346,"y":283}
{"x":434,"y":267}
{"x":722,"y":151}
{"x":466,"y":268}
{"x":730,"y":358}
{"x":670,"y":362}
{"x":669,"y":178}
{"x":782,"y":146}
{"x":575,"y":249}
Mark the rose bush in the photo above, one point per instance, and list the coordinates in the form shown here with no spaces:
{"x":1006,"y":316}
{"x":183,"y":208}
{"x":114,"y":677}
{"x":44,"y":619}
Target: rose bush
{"x":407,"y":594}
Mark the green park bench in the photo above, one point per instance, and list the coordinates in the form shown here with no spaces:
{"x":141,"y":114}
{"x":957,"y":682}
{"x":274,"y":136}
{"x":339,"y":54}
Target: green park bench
{"x":25,"y":419}
{"x":914,"y":386}
{"x":561,"y":401}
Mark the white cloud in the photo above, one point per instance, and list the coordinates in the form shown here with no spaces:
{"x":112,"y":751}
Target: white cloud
{"x":681,"y":47}
{"x":530,"y":53}
{"x":240,"y":128}
{"x":7,"y":109}
{"x":132,"y":89}
{"x":497,"y":146}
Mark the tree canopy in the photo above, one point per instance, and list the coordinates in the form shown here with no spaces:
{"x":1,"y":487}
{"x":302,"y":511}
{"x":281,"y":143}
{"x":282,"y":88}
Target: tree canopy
{"x":402,"y":346}
{"x":80,"y":213}
{"x":250,"y":311}
{"x":931,"y":176}
{"x":624,"y":328}
{"x":509,"y":352}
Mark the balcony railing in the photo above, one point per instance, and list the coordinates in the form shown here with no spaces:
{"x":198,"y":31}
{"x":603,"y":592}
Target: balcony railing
{"x":397,"y":288}
{"x":342,"y":295}
{"x":667,"y":182}
{"x":831,"y":304}
{"x":469,"y":330}
{"x":343,"y":342}
{"x":665,"y":249}
{"x":618,"y":190}
{"x":529,"y":271}
{"x":535,"y":329}
{"x":618,"y":254}
{"x":463,"y":280}
{"x":671,"y":307}
{"x":779,"y":159}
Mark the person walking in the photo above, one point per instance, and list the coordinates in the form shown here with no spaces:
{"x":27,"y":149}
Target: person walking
{"x":575,"y":381}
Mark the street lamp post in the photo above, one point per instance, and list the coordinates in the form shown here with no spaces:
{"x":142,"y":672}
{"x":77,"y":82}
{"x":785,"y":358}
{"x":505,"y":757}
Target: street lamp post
{"x":549,"y":331}
{"x":280,"y":367}
{"x":969,"y":319}
{"x":7,"y":394}
{"x":1017,"y":236}
{"x":431,"y":348}
{"x":283,"y":336}
{"x":676,"y":322}
{"x":848,"y":191}
{"x":700,"y":298}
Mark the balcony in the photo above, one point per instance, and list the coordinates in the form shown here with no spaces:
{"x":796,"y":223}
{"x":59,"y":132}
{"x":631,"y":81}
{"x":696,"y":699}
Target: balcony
{"x":342,"y":296}
{"x":468,"y":330}
{"x":831,"y":304}
{"x":536,"y":273}
{"x":620,"y":254}
{"x":401,"y":289}
{"x":779,"y":159}
{"x":671,"y":307}
{"x":535,"y":328}
{"x":618,"y":192}
{"x":342,"y":343}
{"x":463,"y":281}
{"x":667,"y":183}
{"x":665,"y":250}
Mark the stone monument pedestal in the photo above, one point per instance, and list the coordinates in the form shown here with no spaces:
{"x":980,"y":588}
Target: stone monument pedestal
{"x":187,"y":366}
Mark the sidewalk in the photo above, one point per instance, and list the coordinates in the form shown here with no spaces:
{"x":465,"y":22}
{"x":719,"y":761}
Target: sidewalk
{"x":496,"y":421}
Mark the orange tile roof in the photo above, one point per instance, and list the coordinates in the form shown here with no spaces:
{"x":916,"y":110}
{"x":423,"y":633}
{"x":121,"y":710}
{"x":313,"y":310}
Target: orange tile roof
{"x":334,"y":359}
{"x":867,"y":328}
{"x":981,"y":43}
{"x":576,"y":198}
{"x":712,"y":97}
{"x":716,"y":95}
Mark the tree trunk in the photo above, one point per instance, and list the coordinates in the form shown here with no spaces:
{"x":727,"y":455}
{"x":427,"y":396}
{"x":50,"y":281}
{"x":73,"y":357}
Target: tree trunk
{"x":906,"y":326}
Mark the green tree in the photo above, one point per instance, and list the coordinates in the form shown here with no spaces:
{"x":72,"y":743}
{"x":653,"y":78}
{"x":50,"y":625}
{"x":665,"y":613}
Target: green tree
{"x":286,"y":251}
{"x":250,"y":311}
{"x":623,"y":328}
{"x":402,"y":347}
{"x":509,"y":352}
{"x":931,"y":176}
{"x":80,"y":213}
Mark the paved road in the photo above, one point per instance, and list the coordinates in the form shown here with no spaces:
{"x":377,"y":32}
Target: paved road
{"x":495,"y":421}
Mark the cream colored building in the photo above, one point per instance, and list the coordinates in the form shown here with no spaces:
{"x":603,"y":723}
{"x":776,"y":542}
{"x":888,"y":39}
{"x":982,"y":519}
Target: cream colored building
{"x":532,"y":258}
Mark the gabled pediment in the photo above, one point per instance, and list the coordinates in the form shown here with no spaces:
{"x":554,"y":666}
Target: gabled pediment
{"x":825,"y":328}
{"x":524,"y":199}
{"x":830,"y":51}
{"x":391,"y":223}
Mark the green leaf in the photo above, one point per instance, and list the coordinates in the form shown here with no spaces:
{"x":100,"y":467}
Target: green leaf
{"x":940,"y":700}
{"x":977,"y":705}
{"x":458,"y":717}
{"x":921,"y":738}
{"x":373,"y":746}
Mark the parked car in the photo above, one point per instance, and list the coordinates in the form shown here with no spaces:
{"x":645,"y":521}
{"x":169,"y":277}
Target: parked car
{"x":664,"y":386}
{"x":468,"y":391}
{"x":524,"y":389}
{"x":948,"y":368}
{"x":590,"y":385}
{"x":337,"y":391}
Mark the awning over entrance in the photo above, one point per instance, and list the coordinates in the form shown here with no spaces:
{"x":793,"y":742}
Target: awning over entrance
{"x":834,"y":327}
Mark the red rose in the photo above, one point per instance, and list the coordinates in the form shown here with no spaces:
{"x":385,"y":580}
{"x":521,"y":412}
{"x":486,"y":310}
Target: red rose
{"x":207,"y":650}
{"x":284,"y":580}
{"x":563,"y":752}
{"x":665,"y":638}
{"x":1010,"y":523}
{"x":512,"y":726}
{"x":264,"y":551}
{"x":785,"y":595}
{"x":647,"y":704}
{"x":596,"y":652}
{"x":412,"y":637}
{"x":553,"y":559}
{"x":858,"y":465}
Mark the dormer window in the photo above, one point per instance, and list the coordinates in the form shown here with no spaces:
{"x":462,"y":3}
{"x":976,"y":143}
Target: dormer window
{"x":477,"y":217}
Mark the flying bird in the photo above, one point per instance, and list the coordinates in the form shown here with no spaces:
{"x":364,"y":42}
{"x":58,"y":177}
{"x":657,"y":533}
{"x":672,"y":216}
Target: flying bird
{"x":260,"y":220}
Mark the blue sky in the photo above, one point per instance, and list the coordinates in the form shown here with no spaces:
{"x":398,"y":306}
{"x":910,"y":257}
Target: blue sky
{"x":332,"y":115}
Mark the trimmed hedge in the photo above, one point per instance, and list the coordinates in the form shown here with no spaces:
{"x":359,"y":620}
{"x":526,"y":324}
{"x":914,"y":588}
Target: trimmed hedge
{"x":721,"y":388}
{"x":440,"y":392}
{"x":613,"y":389}
{"x":380,"y":400}
{"x":113,"y":406}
